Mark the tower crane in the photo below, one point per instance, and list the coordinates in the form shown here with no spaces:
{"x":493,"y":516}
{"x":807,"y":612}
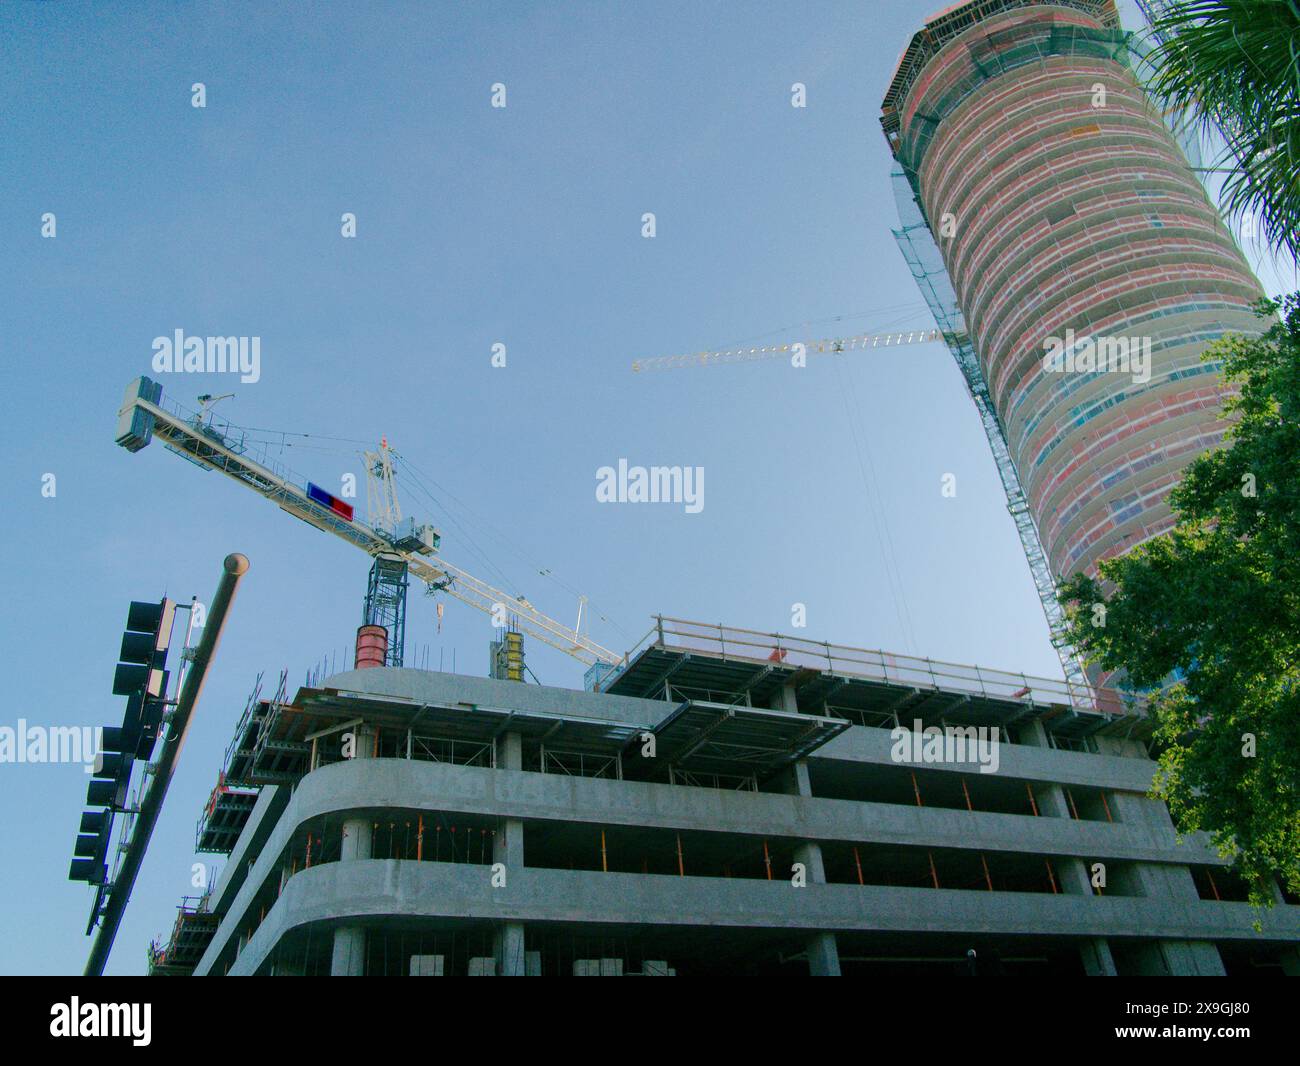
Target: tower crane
{"x":859,"y":342}
{"x":398,"y":546}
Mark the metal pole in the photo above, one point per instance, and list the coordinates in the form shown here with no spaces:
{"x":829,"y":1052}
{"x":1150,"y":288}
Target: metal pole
{"x":234,"y":567}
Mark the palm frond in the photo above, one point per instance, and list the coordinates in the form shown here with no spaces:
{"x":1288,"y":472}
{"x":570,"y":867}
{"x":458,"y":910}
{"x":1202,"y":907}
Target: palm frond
{"x":1235,"y":65}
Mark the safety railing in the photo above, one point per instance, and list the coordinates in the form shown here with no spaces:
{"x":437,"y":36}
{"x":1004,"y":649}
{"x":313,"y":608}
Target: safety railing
{"x":729,"y":642}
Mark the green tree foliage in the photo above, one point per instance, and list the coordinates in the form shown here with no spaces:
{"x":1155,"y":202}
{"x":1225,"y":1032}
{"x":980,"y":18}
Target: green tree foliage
{"x":1236,"y":64}
{"x":1215,"y":604}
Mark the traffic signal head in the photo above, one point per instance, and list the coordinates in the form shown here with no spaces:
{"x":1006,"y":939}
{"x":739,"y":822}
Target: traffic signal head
{"x":91,"y":849}
{"x":141,"y":676}
{"x":88,"y":870}
{"x":140,"y":724}
{"x":113,"y":738}
{"x":110,"y":779}
{"x":143,"y":655}
{"x":110,"y":765}
{"x":91,"y":846}
{"x":110,"y":793}
{"x":94,"y":821}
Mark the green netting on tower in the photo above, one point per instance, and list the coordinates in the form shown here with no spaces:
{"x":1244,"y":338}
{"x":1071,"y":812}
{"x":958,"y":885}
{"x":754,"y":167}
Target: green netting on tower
{"x":1002,"y":51}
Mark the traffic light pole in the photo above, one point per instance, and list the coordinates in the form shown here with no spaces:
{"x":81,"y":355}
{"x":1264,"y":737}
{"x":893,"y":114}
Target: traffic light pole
{"x":234,"y":567}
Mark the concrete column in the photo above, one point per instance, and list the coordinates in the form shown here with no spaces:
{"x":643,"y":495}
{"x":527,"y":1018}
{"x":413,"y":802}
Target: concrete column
{"x":1097,"y":959}
{"x":823,"y":952}
{"x":1177,"y":958}
{"x":510,"y":752}
{"x":508,"y":848}
{"x":508,"y":843}
{"x":823,"y":956}
{"x":1050,"y":800}
{"x":1049,"y":797}
{"x":1154,"y":879}
{"x":797,"y":782}
{"x":1192,"y":958}
{"x":810,"y":854}
{"x":1072,"y":874}
{"x":357,"y":839}
{"x":364,"y":746}
{"x":349,"y":958}
{"x":510,"y":950}
{"x":784,"y":699}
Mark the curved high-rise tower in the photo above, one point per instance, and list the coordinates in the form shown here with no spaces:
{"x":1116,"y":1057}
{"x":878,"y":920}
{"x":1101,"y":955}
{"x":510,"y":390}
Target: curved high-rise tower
{"x":1070,"y":224}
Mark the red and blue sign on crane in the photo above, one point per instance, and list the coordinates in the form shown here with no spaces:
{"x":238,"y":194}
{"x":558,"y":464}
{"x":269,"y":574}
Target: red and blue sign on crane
{"x":325,"y":499}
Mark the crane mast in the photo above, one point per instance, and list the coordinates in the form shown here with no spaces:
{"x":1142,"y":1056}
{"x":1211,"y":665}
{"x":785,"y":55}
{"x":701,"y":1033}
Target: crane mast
{"x":398,"y":546}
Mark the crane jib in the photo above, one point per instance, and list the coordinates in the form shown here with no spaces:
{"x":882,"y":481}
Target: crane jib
{"x":204,"y":443}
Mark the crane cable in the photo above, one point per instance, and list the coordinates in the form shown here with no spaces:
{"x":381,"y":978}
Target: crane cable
{"x":418,"y":478}
{"x":875,"y":505}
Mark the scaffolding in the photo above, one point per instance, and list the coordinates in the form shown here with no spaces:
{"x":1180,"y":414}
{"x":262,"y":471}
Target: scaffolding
{"x":916,"y":242}
{"x":224,"y":817}
{"x":235,"y":794}
{"x":191,"y":934}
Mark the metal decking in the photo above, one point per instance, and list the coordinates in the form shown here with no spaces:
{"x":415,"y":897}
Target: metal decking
{"x":278,"y":741}
{"x":684,"y":660}
{"x":470,"y":722}
{"x":727,"y":740}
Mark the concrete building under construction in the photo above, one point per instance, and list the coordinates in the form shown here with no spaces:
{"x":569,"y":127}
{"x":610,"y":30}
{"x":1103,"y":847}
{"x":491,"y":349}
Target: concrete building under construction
{"x":726,"y":802}
{"x":1047,"y":208}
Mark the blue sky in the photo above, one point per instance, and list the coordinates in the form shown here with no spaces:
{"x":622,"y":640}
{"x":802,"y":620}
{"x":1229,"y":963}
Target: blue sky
{"x":475,"y":226}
